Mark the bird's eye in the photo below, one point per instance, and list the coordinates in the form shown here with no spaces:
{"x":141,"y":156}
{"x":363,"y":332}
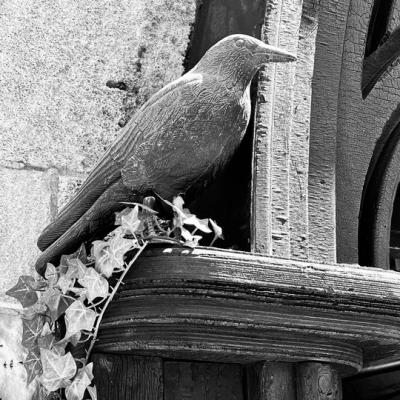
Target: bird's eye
{"x":239,"y":43}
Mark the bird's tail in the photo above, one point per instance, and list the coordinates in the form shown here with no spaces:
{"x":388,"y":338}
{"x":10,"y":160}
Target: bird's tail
{"x":104,"y":174}
{"x":97,"y":219}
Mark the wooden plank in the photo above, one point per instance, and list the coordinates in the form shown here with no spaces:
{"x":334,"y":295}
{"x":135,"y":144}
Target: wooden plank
{"x":300,"y":132}
{"x":126,"y":377}
{"x":376,"y":64}
{"x":271,"y":381}
{"x":202,"y":381}
{"x":332,"y":19}
{"x":270,"y":218}
{"x":273,"y":121}
{"x":317,"y":381}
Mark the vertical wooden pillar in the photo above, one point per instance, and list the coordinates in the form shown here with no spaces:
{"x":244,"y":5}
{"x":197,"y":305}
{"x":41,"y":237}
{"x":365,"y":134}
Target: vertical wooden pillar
{"x":318,"y":381}
{"x":271,"y":192}
{"x":185,"y":380}
{"x":125,"y":377}
{"x":271,"y":381}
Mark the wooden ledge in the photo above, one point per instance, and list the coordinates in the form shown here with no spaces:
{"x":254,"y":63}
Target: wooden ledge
{"x":220,"y":305}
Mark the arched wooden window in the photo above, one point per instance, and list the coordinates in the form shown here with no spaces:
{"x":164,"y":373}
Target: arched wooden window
{"x":382,"y":47}
{"x":380,"y":211}
{"x":378,"y":26}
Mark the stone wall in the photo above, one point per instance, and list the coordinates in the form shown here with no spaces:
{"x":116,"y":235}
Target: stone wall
{"x":71,"y":73}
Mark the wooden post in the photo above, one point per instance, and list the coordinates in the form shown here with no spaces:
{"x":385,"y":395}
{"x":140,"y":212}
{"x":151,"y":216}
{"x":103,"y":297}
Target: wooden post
{"x":318,"y":381}
{"x":185,"y":380}
{"x":125,"y":377}
{"x":270,"y":381}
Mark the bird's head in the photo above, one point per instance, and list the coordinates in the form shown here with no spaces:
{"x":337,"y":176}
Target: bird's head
{"x":241,"y":56}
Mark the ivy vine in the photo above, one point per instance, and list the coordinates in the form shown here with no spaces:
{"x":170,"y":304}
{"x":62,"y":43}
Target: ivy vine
{"x":65,"y":308}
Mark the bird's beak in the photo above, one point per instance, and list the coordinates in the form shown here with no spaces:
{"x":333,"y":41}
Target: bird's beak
{"x":274,"y":54}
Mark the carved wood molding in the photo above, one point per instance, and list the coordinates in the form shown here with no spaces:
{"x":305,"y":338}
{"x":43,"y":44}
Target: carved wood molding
{"x":376,"y":64}
{"x":220,"y":305}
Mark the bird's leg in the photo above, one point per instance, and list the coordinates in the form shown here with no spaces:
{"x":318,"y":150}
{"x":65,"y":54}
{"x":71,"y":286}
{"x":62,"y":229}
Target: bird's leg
{"x":148,"y":217}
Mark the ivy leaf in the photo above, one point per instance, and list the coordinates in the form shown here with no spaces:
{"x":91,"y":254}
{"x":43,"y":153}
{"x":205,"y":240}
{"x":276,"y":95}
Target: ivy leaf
{"x":55,"y":302}
{"x":131,"y":222}
{"x":32,"y":364}
{"x":51,"y":274}
{"x":58,"y":349}
{"x":178,"y":202}
{"x":31,"y":330}
{"x":65,"y":283}
{"x":31,"y":312}
{"x":217,"y":231}
{"x":23,"y":291}
{"x":46,"y":329}
{"x":96,"y":285}
{"x":109,"y":255}
{"x":46,"y":341}
{"x":57,"y":370}
{"x":80,"y":254}
{"x":201,"y":224}
{"x":79,"y":292}
{"x":93,"y":392}
{"x":41,"y":393}
{"x":78,"y":318}
{"x":74,"y":339}
{"x":76,"y":269}
{"x":78,"y":386}
{"x":190,"y":240}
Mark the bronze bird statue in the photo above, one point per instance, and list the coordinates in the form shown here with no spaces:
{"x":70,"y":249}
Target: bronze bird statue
{"x":185,"y":133}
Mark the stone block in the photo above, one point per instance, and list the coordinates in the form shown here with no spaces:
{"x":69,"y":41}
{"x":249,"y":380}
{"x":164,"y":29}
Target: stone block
{"x":12,"y":379}
{"x":24,"y":211}
{"x":63,"y":67}
{"x":67,"y":187}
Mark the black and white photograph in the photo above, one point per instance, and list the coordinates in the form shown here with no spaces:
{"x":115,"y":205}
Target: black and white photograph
{"x":199,"y":200}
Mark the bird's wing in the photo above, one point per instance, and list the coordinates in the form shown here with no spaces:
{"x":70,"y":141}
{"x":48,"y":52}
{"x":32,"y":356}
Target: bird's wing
{"x":183,"y":139}
{"x":108,"y":169}
{"x":150,"y":120}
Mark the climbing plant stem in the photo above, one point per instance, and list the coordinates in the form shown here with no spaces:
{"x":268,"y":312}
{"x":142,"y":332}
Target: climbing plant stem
{"x":120,"y":279}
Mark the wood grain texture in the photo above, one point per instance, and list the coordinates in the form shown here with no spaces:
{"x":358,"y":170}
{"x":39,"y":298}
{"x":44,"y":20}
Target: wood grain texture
{"x":323,"y":130}
{"x":271,"y":381}
{"x":379,"y":199}
{"x":127,"y":377}
{"x":205,"y":304}
{"x":300,"y":132}
{"x":202,"y":381}
{"x":273,"y":120}
{"x":316,"y":381}
{"x":379,"y":61}
{"x":361,"y":127}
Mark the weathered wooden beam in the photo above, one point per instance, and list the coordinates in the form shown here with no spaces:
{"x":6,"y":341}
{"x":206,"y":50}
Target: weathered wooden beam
{"x":202,"y":381}
{"x":126,"y":377}
{"x":270,"y":231}
{"x":226,"y":306}
{"x":318,"y":381}
{"x":271,"y":381}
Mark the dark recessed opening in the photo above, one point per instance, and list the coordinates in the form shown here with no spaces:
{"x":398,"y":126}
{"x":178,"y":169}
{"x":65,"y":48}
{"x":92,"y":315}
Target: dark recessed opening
{"x":395,"y":234}
{"x":378,"y":25}
{"x":227,"y":200}
{"x":379,"y":228}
